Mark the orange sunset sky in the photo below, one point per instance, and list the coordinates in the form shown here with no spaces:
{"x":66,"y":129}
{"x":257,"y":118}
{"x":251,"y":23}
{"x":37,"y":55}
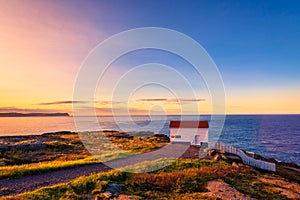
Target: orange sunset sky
{"x":43,"y":44}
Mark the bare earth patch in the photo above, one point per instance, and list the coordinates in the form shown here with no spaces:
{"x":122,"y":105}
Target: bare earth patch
{"x":291,"y":190}
{"x":222,"y":190}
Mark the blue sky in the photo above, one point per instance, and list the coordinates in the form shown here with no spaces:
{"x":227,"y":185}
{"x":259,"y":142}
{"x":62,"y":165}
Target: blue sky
{"x":241,"y":36}
{"x":255,"y":45}
{"x":256,"y":37}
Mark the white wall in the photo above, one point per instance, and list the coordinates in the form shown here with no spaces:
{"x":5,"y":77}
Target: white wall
{"x":188,"y":135}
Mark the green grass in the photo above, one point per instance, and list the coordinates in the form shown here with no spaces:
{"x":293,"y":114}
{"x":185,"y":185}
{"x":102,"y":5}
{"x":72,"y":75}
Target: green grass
{"x":289,"y":173}
{"x":14,"y":171}
{"x":247,"y":183}
{"x":183,"y":179}
{"x":168,"y":178}
{"x":64,"y":146}
{"x":76,"y":189}
{"x":171,"y":165}
{"x":137,"y":144}
{"x":181,"y":164}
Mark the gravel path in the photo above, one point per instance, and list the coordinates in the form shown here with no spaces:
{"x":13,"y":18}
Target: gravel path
{"x":31,"y":182}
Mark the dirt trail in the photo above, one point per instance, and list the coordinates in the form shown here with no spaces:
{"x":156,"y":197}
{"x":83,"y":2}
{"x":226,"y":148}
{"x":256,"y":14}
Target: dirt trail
{"x":31,"y":182}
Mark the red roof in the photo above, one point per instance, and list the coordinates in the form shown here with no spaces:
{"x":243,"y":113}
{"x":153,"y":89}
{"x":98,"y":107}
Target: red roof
{"x":189,"y":124}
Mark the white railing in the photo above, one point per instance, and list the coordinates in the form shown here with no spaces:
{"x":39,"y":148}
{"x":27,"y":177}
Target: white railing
{"x":246,"y":159}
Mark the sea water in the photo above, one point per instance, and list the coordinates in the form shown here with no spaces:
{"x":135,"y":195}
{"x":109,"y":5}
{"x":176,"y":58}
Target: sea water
{"x":272,"y":136}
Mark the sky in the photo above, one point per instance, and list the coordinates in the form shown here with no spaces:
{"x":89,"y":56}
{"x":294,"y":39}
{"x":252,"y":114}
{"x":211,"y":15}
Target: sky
{"x":254,"y":44}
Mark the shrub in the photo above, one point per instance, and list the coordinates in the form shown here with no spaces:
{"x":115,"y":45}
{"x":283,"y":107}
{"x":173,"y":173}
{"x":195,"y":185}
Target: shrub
{"x":69,"y":195}
{"x":188,"y":180}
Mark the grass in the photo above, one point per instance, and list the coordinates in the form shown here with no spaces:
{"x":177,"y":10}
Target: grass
{"x":183,"y":179}
{"x":67,"y":151}
{"x":58,"y":147}
{"x":171,"y":165}
{"x":289,"y":173}
{"x":16,"y":171}
{"x":247,"y":183}
{"x":76,"y":189}
{"x":124,"y":141}
{"x":169,"y":178}
{"x":181,"y":164}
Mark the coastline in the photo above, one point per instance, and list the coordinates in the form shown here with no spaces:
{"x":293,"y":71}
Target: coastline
{"x":16,"y":114}
{"x":59,"y":157}
{"x":37,"y":141}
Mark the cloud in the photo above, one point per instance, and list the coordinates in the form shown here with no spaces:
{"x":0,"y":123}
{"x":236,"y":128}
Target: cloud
{"x":61,"y":102}
{"x":121,"y":110}
{"x":182,"y":101}
{"x":79,"y":102}
{"x":86,"y":110}
{"x":152,"y":99}
{"x":109,"y":102}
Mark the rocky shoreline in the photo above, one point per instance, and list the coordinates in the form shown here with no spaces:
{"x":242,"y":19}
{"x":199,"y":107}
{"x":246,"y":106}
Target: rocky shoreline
{"x":28,"y":142}
{"x":67,"y":146}
{"x":38,"y":142}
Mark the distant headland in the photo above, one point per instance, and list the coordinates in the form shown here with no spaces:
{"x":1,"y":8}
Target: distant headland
{"x":15,"y":114}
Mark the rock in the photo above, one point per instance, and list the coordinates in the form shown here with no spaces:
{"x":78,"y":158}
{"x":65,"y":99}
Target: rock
{"x":221,"y":151}
{"x":235,"y":165}
{"x":107,"y":195}
{"x":217,"y":158}
{"x":203,"y":152}
{"x":111,"y":191}
{"x":211,"y":152}
{"x":114,"y":188}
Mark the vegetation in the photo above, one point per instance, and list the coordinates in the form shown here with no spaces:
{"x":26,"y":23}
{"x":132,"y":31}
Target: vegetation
{"x":76,"y":189}
{"x":168,"y":179}
{"x":16,"y":171}
{"x":67,"y":151}
{"x":289,"y":173}
{"x":67,"y":146}
{"x":59,"y":147}
{"x":183,"y":179}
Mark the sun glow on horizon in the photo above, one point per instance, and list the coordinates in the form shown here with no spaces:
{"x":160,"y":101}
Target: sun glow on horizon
{"x":43,"y":44}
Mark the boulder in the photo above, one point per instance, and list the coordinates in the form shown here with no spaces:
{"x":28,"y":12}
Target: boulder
{"x":217,"y":158}
{"x":221,"y":151}
{"x":235,"y":165}
{"x":111,"y":191}
{"x":211,"y":152}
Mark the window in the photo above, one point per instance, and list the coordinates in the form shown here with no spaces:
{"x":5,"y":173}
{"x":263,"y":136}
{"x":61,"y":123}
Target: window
{"x":176,"y":136}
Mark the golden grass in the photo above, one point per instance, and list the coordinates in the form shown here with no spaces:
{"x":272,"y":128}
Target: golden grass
{"x":14,"y":171}
{"x":183,"y":179}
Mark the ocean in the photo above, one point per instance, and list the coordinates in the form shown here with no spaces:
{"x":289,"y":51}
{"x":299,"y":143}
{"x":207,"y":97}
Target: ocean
{"x":272,"y":136}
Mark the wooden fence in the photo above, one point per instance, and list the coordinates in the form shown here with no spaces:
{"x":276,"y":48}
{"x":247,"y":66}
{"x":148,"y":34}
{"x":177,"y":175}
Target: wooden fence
{"x":246,"y":159}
